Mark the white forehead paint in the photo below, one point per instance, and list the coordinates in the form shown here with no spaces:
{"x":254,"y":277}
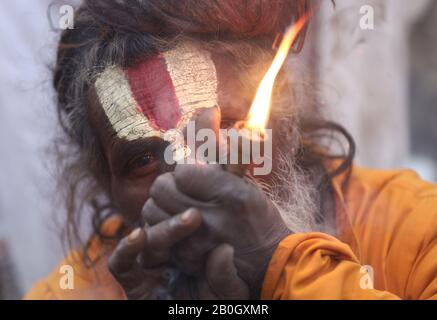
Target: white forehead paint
{"x":194,"y":82}
{"x":194,"y":78}
{"x":120,"y":106}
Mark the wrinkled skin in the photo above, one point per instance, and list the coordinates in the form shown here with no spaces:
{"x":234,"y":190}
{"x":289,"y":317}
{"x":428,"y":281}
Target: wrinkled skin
{"x":233,"y":210}
{"x":228,"y":210}
{"x":140,"y":265}
{"x":223,"y":252}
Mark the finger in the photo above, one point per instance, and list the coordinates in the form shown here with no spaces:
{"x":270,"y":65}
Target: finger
{"x":189,"y":255}
{"x":206,"y":182}
{"x":152,"y":214}
{"x":166,"y":195}
{"x":124,"y":255}
{"x":222,"y":275}
{"x":204,"y":118}
{"x":207,"y":118}
{"x":163,"y":236}
{"x":171,"y":231}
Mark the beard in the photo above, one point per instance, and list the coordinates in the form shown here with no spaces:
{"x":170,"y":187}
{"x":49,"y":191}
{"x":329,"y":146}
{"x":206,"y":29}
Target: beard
{"x":290,"y":188}
{"x":294,"y":195}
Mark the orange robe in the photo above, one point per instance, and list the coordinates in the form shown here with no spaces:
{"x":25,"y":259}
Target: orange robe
{"x":385,"y":248}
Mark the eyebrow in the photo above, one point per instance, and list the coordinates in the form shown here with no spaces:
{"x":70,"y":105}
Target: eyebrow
{"x":123,"y":152}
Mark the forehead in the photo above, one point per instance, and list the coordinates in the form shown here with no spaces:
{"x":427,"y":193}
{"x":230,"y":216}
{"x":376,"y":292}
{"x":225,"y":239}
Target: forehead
{"x":159,"y":93}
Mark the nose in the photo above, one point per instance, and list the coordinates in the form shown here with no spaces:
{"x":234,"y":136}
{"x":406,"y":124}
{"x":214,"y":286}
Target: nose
{"x":203,"y":119}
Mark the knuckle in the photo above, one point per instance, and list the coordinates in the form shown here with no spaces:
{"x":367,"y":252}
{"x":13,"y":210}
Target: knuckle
{"x":160,"y":184}
{"x":165,"y":232}
{"x":236,"y":196}
{"x":149,"y":211}
{"x":171,"y":228}
{"x":158,"y":235}
{"x":186,"y":171}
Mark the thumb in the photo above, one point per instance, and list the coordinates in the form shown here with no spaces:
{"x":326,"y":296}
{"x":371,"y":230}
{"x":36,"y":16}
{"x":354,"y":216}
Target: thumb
{"x":222,"y":275}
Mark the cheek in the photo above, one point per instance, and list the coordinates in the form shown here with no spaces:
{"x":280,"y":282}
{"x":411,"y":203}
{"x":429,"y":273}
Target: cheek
{"x":130,"y":195}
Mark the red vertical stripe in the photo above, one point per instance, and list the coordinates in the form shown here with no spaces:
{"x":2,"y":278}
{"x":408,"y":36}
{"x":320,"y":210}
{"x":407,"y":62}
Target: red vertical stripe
{"x":153,"y":90}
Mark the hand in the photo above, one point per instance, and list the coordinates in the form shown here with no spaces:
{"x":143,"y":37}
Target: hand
{"x":140,"y":265}
{"x":234,"y":211}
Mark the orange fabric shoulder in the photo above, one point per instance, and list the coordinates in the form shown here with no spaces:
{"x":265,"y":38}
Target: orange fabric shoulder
{"x":392,"y":216}
{"x":86,"y":282}
{"x":385,"y":246}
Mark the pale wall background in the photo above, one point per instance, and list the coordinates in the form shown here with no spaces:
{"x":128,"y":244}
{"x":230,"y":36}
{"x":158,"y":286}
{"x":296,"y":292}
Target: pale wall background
{"x":366,"y":78}
{"x":27,"y":125}
{"x":377,"y":83}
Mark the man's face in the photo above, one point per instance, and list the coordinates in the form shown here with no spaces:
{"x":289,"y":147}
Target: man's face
{"x":132,"y":109}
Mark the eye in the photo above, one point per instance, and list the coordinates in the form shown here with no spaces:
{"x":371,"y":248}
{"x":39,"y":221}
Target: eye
{"x":145,"y":160}
{"x":142,"y":165}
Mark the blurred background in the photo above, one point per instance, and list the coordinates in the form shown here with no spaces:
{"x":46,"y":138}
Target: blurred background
{"x":380,"y":82}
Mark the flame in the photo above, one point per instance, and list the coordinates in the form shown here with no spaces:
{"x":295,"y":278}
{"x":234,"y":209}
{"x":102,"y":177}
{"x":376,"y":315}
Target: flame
{"x":260,"y":110}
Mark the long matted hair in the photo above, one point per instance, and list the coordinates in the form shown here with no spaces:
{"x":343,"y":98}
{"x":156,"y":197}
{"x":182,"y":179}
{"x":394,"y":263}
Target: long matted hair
{"x":119,"y":33}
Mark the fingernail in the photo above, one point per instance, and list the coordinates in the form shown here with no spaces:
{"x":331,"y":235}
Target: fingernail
{"x":186,"y":216}
{"x":134,"y":235}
